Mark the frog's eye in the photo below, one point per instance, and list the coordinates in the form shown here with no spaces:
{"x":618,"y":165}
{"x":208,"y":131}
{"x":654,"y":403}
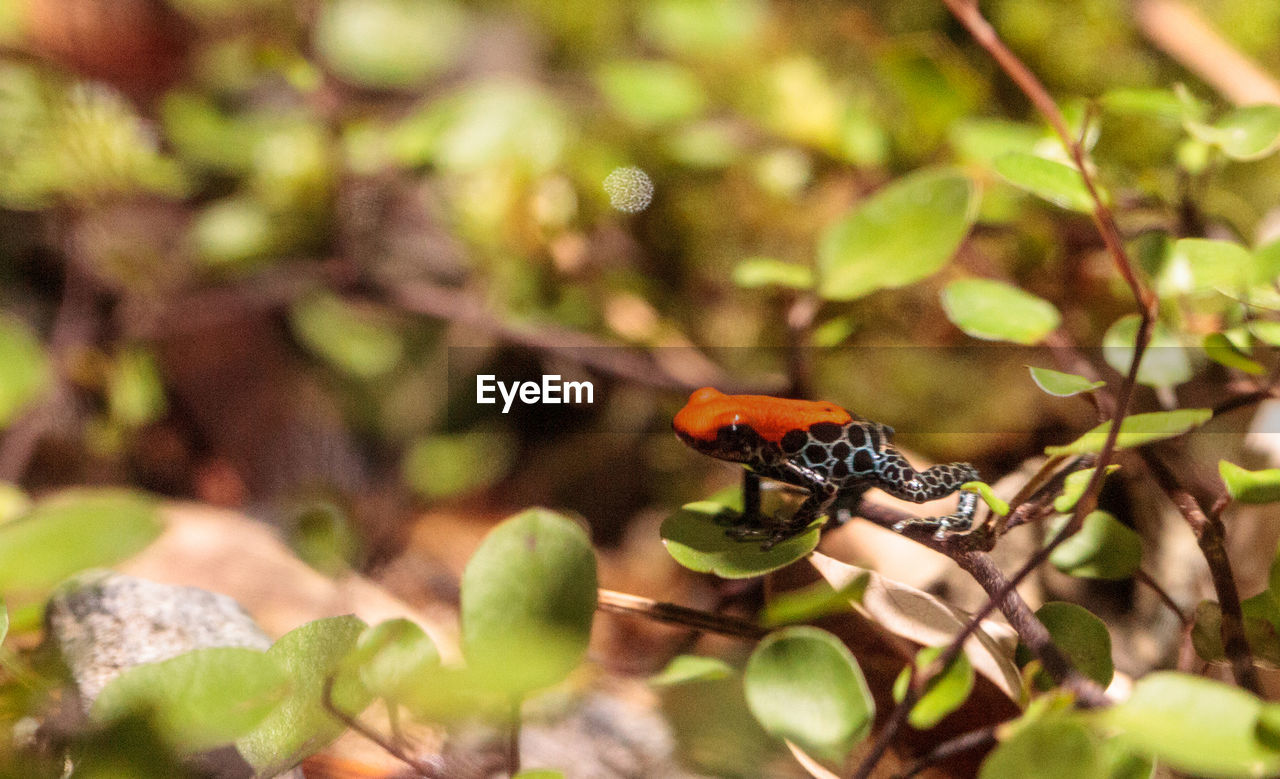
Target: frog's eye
{"x":705,"y":395}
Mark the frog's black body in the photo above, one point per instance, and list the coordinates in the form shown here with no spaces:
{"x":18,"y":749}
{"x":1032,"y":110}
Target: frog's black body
{"x":821,"y":448}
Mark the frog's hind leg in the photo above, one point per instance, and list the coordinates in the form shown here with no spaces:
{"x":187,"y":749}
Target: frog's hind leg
{"x":899,"y":479}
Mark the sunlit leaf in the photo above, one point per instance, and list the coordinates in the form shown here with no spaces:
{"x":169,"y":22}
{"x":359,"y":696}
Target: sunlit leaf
{"x":696,"y":537}
{"x":1051,"y":180}
{"x":300,"y":726}
{"x":1218,"y":347}
{"x":1137,"y":430}
{"x":1062,"y":385}
{"x":388,"y":43}
{"x":4,"y":620}
{"x":995,"y":311}
{"x":803,"y":685}
{"x":1248,"y":486}
{"x":135,"y":388}
{"x":528,"y":598}
{"x":703,"y":28}
{"x":1103,"y":548}
{"x":947,"y":693}
{"x":1054,"y":747}
{"x":691,"y":668}
{"x":1194,"y":725}
{"x":901,"y":234}
{"x":757,"y":272}
{"x":392,"y":657}
{"x":651,"y":93}
{"x":1199,"y":264}
{"x":448,"y":464}
{"x":984,"y":139}
{"x":1247,"y":133}
{"x":72,"y":531}
{"x":201,"y":699}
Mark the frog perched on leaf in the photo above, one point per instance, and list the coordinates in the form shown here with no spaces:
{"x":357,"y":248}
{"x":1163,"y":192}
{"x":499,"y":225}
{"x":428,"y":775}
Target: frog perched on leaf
{"x":819,"y":447}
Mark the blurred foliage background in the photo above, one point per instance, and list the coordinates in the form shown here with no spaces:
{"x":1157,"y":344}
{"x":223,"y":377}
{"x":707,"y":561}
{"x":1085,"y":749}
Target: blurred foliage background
{"x":253,"y":252}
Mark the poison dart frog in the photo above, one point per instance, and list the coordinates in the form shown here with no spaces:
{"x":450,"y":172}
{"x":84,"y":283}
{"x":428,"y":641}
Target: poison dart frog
{"x":820,"y":447}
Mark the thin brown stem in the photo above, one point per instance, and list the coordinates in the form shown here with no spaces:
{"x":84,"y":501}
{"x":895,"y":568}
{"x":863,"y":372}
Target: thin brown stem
{"x":423,"y":768}
{"x":513,"y":736}
{"x":1211,"y":535}
{"x":965,"y":742}
{"x":624,"y":603}
{"x":1145,"y":578}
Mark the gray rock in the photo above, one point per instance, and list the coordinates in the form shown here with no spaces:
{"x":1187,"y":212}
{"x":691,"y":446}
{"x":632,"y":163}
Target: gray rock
{"x":103,"y":623}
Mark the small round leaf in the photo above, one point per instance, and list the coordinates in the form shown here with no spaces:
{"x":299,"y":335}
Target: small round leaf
{"x":995,"y":311}
{"x":757,"y":272}
{"x":691,"y":668}
{"x":1164,"y":363}
{"x":528,"y":599}
{"x":1081,"y":636}
{"x":1050,"y":748}
{"x":803,"y":685}
{"x":394,"y":656}
{"x":696,"y":537}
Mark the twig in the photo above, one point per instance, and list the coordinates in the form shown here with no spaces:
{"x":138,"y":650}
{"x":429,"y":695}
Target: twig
{"x":1145,"y":578}
{"x":423,"y":768}
{"x":624,"y":603}
{"x":1211,"y":536}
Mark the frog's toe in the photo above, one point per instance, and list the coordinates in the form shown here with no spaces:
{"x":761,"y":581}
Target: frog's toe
{"x":749,"y":533}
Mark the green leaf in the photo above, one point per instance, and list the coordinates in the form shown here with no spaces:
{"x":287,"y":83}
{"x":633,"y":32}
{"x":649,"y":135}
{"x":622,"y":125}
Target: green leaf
{"x":995,"y":311}
{"x":392,"y":657}
{"x":388,"y":44}
{"x":356,"y":341}
{"x":803,"y":685}
{"x":695,"y":536}
{"x":1248,"y":133}
{"x":1137,"y":430}
{"x":1073,"y":489}
{"x":759,"y":272}
{"x":1050,"y":748}
{"x":984,"y":140}
{"x":1164,"y":363}
{"x":901,"y":234}
{"x":1050,"y":180}
{"x":1081,"y":636}
{"x":4,"y":620}
{"x":703,"y":28}
{"x":135,"y":388}
{"x":24,"y":369}
{"x":72,"y":531}
{"x":948,"y":692}
{"x":1193,"y":725}
{"x":234,"y":233}
{"x":1250,"y":486}
{"x":201,"y":699}
{"x":528,"y":598}
{"x":301,"y":726}
{"x":651,"y":93}
{"x":448,"y":464}
{"x":505,"y":124}
{"x":1261,"y":628}
{"x":1062,"y":385}
{"x":812,"y":602}
{"x":1203,"y":264}
{"x":1154,"y":103}
{"x":1218,"y":347}
{"x":691,"y":668}
{"x":1102,"y":549}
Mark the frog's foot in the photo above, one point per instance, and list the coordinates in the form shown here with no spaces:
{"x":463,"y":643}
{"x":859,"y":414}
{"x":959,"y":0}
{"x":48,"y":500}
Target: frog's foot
{"x":943,"y":526}
{"x":740,"y":532}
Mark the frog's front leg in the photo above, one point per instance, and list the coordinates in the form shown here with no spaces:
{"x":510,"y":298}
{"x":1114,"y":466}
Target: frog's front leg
{"x":895,"y":476}
{"x":822,"y":493}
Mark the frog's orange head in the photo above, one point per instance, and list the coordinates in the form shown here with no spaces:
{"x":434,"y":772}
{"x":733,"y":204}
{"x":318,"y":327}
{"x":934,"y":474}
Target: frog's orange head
{"x":709,"y":420}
